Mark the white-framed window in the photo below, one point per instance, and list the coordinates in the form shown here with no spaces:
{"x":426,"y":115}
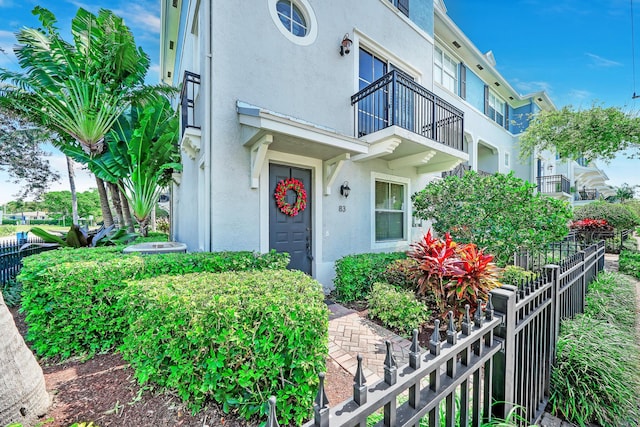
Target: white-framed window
{"x":496,"y":108}
{"x":507,"y":159}
{"x":445,"y":70}
{"x":295,"y":20}
{"x":390,"y":211}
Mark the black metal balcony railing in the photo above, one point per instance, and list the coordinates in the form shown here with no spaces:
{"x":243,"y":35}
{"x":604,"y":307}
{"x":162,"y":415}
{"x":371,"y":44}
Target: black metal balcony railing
{"x":190,"y":88}
{"x":589,"y":194}
{"x":554,"y":184}
{"x":395,"y":99}
{"x":461,"y":169}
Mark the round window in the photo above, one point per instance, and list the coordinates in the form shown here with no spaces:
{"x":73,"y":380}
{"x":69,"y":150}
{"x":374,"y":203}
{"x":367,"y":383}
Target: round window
{"x":295,"y":20}
{"x":292,"y":18}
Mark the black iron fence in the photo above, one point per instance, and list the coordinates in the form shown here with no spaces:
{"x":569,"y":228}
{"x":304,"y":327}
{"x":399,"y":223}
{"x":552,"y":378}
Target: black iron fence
{"x":396,"y":100}
{"x":188,"y":95}
{"x":554,"y":184}
{"x":11,"y":257}
{"x":500,"y":359}
{"x":461,"y":169}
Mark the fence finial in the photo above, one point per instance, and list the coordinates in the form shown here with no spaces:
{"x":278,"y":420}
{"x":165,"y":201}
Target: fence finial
{"x":466,"y":321}
{"x":434,"y":341}
{"x":414,"y":351}
{"x":359,"y":387}
{"x":452,"y":333}
{"x":390,"y":366}
{"x":478,"y":318}
{"x":272,"y":420}
{"x":489,"y":312}
{"x":320,"y":409}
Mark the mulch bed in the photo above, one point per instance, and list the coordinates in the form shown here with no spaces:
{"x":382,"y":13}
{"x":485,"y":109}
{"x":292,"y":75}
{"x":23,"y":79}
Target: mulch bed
{"x":104,"y":390}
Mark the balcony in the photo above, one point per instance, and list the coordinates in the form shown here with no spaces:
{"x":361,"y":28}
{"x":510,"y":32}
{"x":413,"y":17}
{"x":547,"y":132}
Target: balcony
{"x":461,"y":169}
{"x":406,"y":124}
{"x":588,"y":194}
{"x":189,"y":118}
{"x":554,"y":185}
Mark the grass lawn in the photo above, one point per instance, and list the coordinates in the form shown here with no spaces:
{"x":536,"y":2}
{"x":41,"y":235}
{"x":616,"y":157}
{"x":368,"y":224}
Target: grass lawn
{"x":5,"y":233}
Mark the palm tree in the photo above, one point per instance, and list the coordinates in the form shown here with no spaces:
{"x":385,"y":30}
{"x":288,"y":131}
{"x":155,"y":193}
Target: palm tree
{"x":77,"y":89}
{"x":142,"y":152}
{"x":23,"y":396}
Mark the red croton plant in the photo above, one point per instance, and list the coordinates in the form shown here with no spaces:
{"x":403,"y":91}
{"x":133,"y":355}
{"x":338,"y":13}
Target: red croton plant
{"x":456,"y":274}
{"x":591,"y":224}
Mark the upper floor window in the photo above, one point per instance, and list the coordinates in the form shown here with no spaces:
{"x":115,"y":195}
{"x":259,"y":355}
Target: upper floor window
{"x":292,"y":18}
{"x":295,"y":19}
{"x":402,"y":5}
{"x":496,"y":109}
{"x":445,"y":70}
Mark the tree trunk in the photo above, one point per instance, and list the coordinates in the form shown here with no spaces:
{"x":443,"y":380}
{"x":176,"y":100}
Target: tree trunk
{"x":23,"y":396}
{"x":72,"y":187}
{"x":152,"y":219}
{"x":126,"y":210}
{"x":115,"y":196}
{"x":144,"y":226}
{"x":107,"y":218}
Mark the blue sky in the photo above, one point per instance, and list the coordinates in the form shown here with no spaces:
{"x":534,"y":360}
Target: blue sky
{"x":142,"y":17}
{"x":579,"y":52}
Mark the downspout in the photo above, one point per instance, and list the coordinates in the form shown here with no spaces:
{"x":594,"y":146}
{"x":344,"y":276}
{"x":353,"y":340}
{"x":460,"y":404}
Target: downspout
{"x":208,"y":124}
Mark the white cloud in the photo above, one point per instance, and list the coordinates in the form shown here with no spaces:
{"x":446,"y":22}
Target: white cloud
{"x":531,"y":87}
{"x":141,"y":15}
{"x":599,"y":61}
{"x":7,"y":42}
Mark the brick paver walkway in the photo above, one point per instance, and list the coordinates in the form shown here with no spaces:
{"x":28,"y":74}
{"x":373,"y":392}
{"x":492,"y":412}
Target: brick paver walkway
{"x":351,"y":334}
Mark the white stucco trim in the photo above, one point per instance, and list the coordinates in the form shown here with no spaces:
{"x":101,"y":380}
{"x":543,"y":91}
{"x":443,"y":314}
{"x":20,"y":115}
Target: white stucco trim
{"x":361,"y":39}
{"x":397,"y":244}
{"x":309,"y":16}
{"x":266,"y":198}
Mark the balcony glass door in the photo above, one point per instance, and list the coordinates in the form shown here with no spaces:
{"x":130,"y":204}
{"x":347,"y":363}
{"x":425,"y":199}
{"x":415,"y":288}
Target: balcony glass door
{"x":373,"y":113}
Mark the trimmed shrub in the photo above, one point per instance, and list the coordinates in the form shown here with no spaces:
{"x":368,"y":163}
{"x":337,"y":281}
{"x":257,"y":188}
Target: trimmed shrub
{"x":73,"y":308}
{"x":236,"y":338}
{"x":514,"y":275}
{"x":402,"y":273}
{"x":356,"y":274}
{"x":397,"y":309}
{"x":614,"y":213}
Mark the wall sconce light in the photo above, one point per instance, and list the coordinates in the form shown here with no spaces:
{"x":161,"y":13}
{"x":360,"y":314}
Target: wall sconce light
{"x":344,"y":189}
{"x":345,"y":45}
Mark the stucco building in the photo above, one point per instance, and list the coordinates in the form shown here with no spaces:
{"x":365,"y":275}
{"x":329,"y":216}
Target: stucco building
{"x":362,"y":102}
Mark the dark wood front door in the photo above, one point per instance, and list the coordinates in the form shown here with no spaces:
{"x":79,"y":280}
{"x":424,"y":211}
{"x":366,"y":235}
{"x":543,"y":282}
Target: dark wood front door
{"x":287,"y":233}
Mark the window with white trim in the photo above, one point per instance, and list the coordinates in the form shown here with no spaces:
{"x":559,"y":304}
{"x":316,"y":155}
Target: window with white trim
{"x":295,"y":19}
{"x":507,"y":159}
{"x":496,"y":108}
{"x":292,"y":18}
{"x":445,"y":70}
{"x":390,"y":211}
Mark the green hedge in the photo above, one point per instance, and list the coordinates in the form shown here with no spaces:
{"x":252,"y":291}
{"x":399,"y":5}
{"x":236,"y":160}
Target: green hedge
{"x":356,"y":274}
{"x":616,"y":214}
{"x":236,"y":338}
{"x":629,"y":263}
{"x":71,"y":297}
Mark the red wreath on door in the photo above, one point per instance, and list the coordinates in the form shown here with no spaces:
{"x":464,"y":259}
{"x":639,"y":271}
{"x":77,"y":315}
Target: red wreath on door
{"x":281,"y":193}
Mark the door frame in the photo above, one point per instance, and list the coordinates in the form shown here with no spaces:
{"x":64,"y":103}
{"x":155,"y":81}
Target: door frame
{"x":266,"y":198}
